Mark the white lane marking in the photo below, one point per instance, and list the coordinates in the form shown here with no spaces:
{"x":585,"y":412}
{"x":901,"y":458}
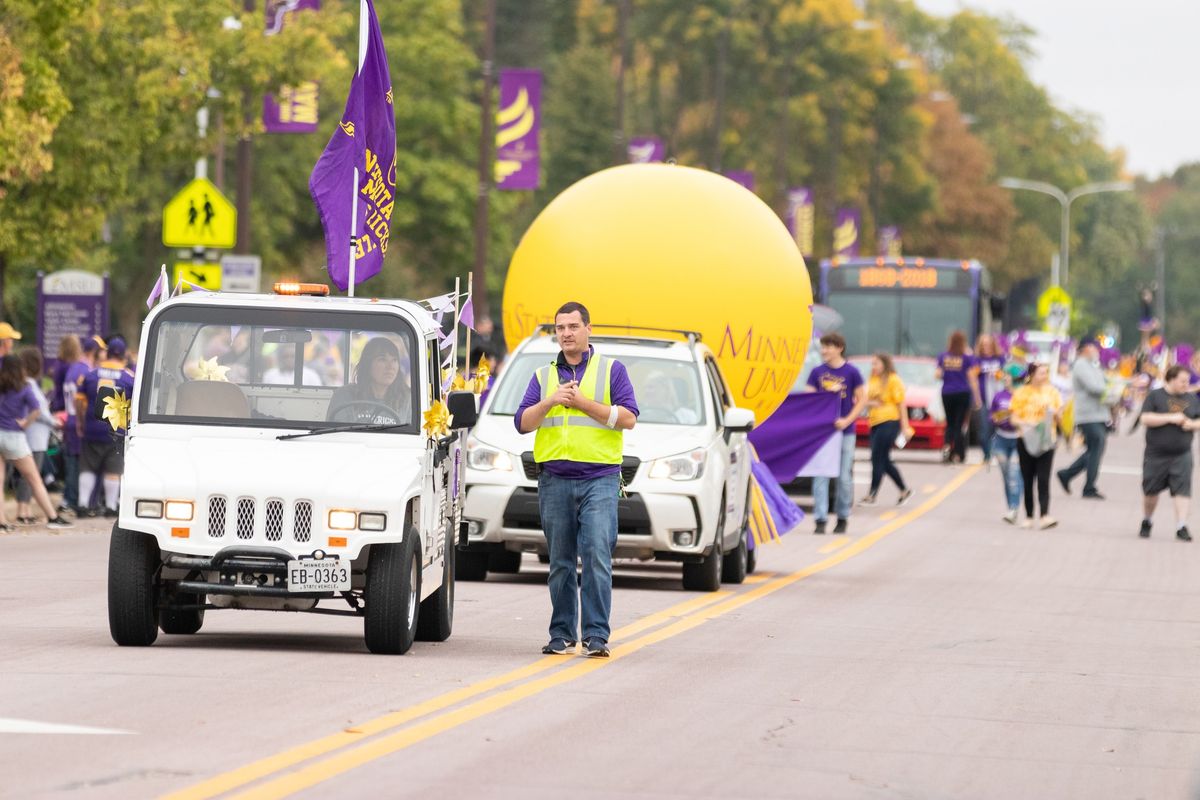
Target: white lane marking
{"x":9,"y":725}
{"x":1115,"y":470}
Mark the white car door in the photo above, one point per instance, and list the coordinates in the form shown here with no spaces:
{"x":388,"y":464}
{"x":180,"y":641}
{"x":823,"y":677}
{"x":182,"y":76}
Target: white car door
{"x":733,"y":451}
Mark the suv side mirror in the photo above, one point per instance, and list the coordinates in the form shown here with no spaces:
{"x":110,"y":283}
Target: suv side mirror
{"x":739,"y":420}
{"x":464,"y":410}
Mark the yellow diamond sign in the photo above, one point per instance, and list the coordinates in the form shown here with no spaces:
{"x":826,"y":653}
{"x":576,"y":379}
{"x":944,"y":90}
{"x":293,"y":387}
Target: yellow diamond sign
{"x":200,"y":216}
{"x":202,"y":275}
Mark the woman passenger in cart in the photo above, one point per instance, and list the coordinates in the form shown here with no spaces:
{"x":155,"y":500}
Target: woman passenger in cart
{"x":380,"y":393}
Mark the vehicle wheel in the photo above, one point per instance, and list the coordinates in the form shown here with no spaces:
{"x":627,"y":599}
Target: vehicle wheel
{"x":183,"y":621}
{"x":133,"y":562}
{"x":733,"y":565}
{"x":751,"y":561}
{"x":471,"y":565}
{"x":437,"y":611}
{"x":506,"y":562}
{"x":392,"y":594}
{"x":705,"y":576}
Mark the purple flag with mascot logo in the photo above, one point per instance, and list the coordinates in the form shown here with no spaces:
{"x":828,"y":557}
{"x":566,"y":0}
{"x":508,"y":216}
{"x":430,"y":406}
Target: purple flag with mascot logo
{"x":364,"y":138}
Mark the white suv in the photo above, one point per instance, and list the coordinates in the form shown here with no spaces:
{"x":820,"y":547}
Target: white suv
{"x":686,"y":469}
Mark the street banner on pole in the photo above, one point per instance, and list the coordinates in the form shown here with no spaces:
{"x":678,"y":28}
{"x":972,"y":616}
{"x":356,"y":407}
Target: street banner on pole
{"x":294,"y":108}
{"x":354,"y":181}
{"x":890,"y":245}
{"x":69,"y":302}
{"x":741,"y":177}
{"x":801,"y":217}
{"x":846,"y":226}
{"x":518,"y":121}
{"x":646,"y":150}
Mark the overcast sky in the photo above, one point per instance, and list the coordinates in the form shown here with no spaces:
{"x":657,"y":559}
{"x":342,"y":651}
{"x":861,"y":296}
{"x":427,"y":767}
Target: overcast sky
{"x":1134,"y":65}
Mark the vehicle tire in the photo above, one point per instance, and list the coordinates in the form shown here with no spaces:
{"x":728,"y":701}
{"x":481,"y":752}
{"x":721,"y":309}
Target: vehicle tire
{"x":133,"y":563}
{"x":436,"y":619}
{"x":392,"y":594}
{"x":183,"y":621}
{"x":733,"y":565}
{"x":751,"y":561}
{"x":471,"y":565}
{"x":705,"y":576}
{"x":506,"y":562}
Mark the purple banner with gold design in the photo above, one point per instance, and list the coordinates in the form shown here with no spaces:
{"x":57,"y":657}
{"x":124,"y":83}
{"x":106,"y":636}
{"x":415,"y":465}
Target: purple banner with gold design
{"x":646,"y":150}
{"x":846,"y":227}
{"x":518,"y":120}
{"x":293,"y":109}
{"x":801,"y":218}
{"x":741,"y":177}
{"x":799,"y":438}
{"x":890,"y":245}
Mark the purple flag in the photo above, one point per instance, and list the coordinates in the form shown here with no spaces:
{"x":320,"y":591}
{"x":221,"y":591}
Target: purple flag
{"x":795,"y":439}
{"x":784,"y":513}
{"x":517,"y":123}
{"x":467,"y":315}
{"x":742,"y":177}
{"x":645,"y":150}
{"x":889,"y":241}
{"x":845,"y":232}
{"x":294,"y":108}
{"x":801,"y":218}
{"x":365,"y":139}
{"x":160,"y":286}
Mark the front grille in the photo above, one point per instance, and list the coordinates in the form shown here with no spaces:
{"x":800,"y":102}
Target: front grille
{"x":522,"y":512}
{"x":629,"y":467}
{"x":245,"y":518}
{"x":216,"y":516}
{"x":303,"y":526}
{"x":274,"y":520}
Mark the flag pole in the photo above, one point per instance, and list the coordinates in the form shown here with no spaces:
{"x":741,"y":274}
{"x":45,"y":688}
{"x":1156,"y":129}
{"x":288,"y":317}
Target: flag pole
{"x":454,"y":341}
{"x":467,"y":360}
{"x":363,"y":27}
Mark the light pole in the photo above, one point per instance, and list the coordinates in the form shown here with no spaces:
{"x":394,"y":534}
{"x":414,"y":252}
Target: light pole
{"x":1065,"y":199}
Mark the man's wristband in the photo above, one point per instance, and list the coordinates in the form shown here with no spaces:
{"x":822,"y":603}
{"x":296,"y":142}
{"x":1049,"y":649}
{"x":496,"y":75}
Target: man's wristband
{"x":612,"y":416}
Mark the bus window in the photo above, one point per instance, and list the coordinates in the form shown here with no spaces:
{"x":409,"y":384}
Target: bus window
{"x":929,"y":320}
{"x":869,"y":320}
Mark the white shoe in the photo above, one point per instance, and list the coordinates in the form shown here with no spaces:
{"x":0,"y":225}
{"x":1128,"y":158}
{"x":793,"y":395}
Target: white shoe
{"x":1011,"y":517}
{"x":1026,"y":524}
{"x":1048,"y":522}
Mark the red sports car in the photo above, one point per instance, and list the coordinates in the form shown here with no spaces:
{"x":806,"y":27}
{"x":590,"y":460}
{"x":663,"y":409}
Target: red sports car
{"x":923,"y":396}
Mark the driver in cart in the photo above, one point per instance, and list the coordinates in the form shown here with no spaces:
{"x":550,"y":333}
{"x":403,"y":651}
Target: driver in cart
{"x":379,"y":394}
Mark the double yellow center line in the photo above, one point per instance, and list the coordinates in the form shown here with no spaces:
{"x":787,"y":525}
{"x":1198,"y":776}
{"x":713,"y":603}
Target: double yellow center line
{"x":302,"y":767}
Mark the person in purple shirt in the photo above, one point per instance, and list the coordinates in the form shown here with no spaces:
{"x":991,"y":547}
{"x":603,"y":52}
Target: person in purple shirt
{"x":85,"y":355}
{"x":835,"y":374}
{"x":19,"y":408}
{"x":990,"y":361}
{"x":101,"y":455}
{"x":959,"y":373}
{"x":579,"y":423}
{"x":1004,"y":442}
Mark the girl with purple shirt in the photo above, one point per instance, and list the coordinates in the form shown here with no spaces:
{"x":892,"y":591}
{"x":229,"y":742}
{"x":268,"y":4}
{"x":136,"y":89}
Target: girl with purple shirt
{"x":959,"y":374}
{"x":1004,"y":444}
{"x":990,"y":361}
{"x":18,"y":409}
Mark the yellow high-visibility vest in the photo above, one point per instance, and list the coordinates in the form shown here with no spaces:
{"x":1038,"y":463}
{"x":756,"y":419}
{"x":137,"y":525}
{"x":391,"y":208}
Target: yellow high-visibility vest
{"x":568,"y":434}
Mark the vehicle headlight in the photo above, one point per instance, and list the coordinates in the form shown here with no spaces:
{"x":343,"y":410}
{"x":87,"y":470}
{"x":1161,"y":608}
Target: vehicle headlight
{"x":372,"y":521}
{"x":916,"y":414}
{"x":341,"y":520}
{"x":180,"y":510}
{"x":484,"y":457}
{"x":683,"y":467}
{"x":148,"y":509}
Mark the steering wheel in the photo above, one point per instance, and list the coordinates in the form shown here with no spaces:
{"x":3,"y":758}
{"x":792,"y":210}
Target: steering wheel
{"x":368,"y":412}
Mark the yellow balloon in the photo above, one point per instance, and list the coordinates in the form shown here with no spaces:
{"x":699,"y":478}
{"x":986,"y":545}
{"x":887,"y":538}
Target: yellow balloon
{"x":672,"y":247}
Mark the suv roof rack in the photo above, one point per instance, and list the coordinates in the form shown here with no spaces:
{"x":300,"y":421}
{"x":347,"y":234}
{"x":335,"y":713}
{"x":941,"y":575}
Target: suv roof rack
{"x":690,"y":336}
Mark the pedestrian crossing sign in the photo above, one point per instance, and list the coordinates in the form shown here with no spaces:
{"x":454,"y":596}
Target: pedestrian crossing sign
{"x":200,"y":216}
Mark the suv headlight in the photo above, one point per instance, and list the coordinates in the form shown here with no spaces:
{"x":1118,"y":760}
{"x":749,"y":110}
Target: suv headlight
{"x":485,"y":457}
{"x":683,"y":467}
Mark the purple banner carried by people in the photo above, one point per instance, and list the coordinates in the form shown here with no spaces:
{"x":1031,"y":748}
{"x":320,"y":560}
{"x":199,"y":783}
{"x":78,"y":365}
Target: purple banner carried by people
{"x":362,"y":145}
{"x":890,"y":245}
{"x":518,"y":120}
{"x":801,"y":218}
{"x":846,"y":227}
{"x":646,"y":150}
{"x":742,"y":177}
{"x":799,"y":438}
{"x":293,"y":109}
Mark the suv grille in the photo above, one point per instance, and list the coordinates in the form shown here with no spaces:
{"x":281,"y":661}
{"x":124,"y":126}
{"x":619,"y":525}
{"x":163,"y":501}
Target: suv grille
{"x":274,"y":523}
{"x":245,"y":518}
{"x":629,"y":467}
{"x":303,"y":527}
{"x":216,"y":516}
{"x":274,"y":520}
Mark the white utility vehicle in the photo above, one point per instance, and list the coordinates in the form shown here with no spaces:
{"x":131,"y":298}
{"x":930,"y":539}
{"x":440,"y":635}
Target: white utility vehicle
{"x":686,"y":470}
{"x":275,"y":460}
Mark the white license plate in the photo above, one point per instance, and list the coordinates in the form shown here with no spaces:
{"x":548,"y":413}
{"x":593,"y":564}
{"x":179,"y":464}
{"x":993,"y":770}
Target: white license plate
{"x":327,"y":575}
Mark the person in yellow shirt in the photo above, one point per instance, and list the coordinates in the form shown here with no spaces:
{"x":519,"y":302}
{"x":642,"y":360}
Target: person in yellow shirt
{"x":1036,"y":413}
{"x":888,"y":416}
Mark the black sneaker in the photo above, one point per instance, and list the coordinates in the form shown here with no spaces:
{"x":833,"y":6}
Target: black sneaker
{"x":819,"y":526}
{"x":841,"y":525}
{"x":1183,"y":535}
{"x":1062,"y":479}
{"x":558,"y":647}
{"x":905,"y":496}
{"x":1145,"y":529}
{"x":1093,"y":495}
{"x":595,"y":648}
{"x":111,"y":513}
{"x":60,"y":522}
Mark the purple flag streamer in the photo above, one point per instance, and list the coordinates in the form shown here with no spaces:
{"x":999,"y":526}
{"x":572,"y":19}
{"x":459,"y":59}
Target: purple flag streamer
{"x":364,"y":138}
{"x":467,"y":315}
{"x":160,"y":286}
{"x":518,"y":120}
{"x":784,"y":513}
{"x":846,"y":227}
{"x":645,"y":150}
{"x":797,"y":433}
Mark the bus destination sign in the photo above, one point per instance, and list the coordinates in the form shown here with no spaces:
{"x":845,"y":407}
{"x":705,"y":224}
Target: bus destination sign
{"x":898,"y":277}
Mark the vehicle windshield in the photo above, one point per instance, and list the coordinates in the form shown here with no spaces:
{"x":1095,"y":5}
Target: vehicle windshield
{"x":280,"y":368}
{"x":896,"y":322}
{"x":667,"y":391}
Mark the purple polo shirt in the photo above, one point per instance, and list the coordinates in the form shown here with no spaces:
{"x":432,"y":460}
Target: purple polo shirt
{"x":16,"y":405}
{"x":843,"y":380}
{"x":620,"y":392}
{"x":955,"y":369}
{"x":75,"y":373}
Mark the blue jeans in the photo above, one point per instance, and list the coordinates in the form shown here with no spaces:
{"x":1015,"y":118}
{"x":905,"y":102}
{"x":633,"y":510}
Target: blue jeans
{"x":845,"y":489}
{"x":71,"y":480}
{"x":579,"y":518}
{"x":1005,"y":450}
{"x":1094,"y":434}
{"x":984,"y":420}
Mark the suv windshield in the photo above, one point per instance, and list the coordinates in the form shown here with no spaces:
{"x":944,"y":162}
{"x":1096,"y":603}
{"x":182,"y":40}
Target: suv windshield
{"x":273,"y":368}
{"x":667,"y":391}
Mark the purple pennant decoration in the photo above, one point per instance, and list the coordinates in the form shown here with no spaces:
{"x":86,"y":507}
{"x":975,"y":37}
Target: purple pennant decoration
{"x":365,"y":138}
{"x":645,"y":150}
{"x":467,"y":315}
{"x":801,"y":218}
{"x":518,"y":120}
{"x":846,"y":227}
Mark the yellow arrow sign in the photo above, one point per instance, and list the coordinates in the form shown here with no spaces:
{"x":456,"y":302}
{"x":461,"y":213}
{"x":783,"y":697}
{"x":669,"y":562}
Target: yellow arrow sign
{"x":200,"y":216}
{"x":206,"y":276}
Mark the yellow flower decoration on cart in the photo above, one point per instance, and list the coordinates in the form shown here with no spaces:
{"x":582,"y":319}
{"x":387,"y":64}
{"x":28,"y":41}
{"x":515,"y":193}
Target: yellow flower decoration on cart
{"x":482,"y":375}
{"x":459,"y":383}
{"x":437,"y":420}
{"x":210,"y":370}
{"x":116,"y":410}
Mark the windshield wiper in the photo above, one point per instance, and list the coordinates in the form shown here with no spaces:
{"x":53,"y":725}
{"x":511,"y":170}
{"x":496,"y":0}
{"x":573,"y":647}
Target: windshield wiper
{"x":344,"y":429}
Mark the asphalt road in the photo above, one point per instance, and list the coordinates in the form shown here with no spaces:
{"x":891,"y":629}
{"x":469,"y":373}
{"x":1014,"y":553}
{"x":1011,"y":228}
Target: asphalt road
{"x":934,"y":652}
